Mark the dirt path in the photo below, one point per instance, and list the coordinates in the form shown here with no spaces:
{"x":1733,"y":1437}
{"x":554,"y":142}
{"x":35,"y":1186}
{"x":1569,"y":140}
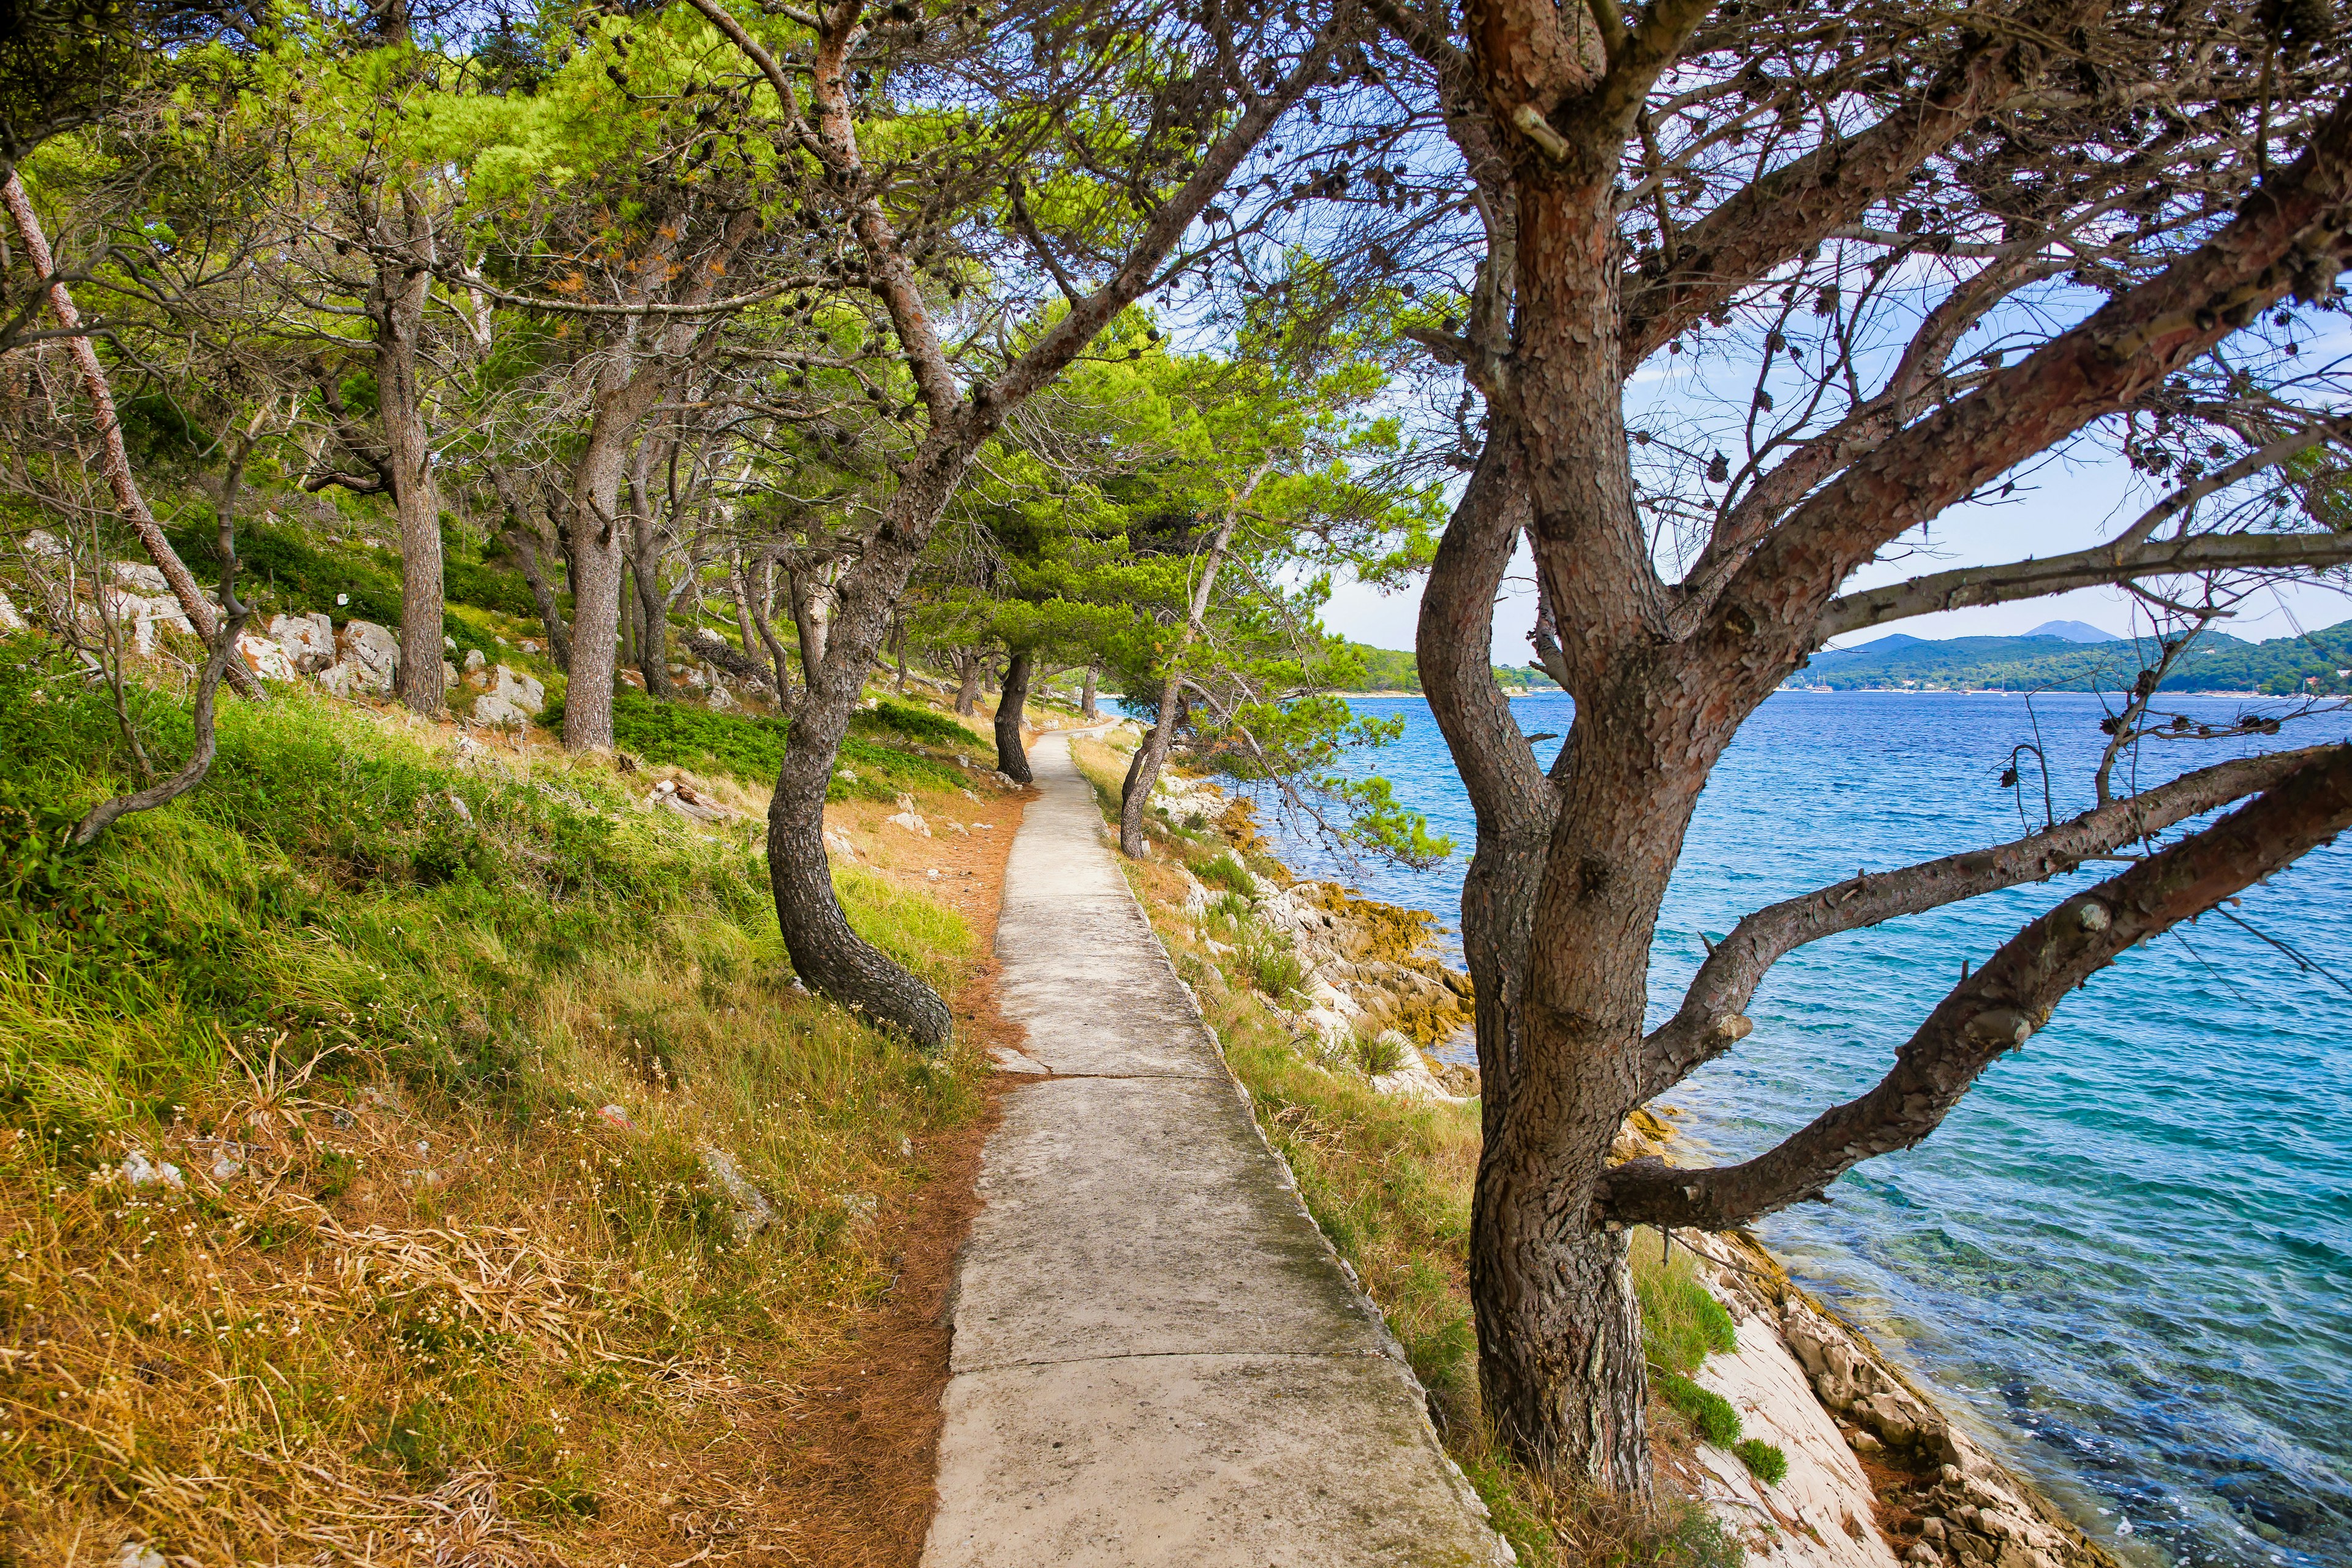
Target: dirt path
{"x":1157,"y":1358}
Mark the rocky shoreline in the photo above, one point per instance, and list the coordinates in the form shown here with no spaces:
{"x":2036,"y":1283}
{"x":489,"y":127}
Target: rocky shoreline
{"x":1878,"y":1474}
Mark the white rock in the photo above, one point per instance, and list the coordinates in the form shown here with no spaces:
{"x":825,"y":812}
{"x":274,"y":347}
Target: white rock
{"x":838,"y":843}
{"x":10,"y":621}
{"x":145,"y":577}
{"x":1414,"y":1080}
{"x":266,"y":656}
{"x":448,"y":676}
{"x":140,"y":1172}
{"x":912,"y":821}
{"x":753,"y":1212}
{"x":530,"y":645}
{"x":512,"y":698}
{"x":47,"y":545}
{"x":720,"y":701}
{"x":473,"y":659}
{"x":139,"y":1554}
{"x":308,"y":641}
{"x":371,"y":655}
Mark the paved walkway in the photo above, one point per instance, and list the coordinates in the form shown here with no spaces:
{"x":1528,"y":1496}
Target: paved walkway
{"x":1157,"y":1357}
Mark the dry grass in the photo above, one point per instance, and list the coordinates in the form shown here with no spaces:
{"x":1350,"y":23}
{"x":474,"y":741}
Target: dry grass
{"x":398,"y":1312}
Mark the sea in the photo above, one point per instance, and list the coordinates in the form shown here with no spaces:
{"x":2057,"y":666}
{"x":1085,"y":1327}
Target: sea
{"x":2125,"y":1259}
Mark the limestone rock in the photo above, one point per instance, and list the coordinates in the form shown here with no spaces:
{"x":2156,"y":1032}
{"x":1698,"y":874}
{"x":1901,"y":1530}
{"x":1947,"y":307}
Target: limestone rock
{"x":838,"y":843}
{"x":266,"y":656}
{"x":308,"y":641}
{"x":690,"y":801}
{"x":1414,"y":1080}
{"x":142,"y":576}
{"x":141,"y":1172}
{"x":473,"y":659}
{"x":912,"y":821}
{"x":367,"y":657}
{"x":10,"y":621}
{"x":512,"y":699}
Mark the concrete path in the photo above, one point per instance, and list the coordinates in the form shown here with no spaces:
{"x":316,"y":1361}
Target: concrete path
{"x":1157,"y":1358}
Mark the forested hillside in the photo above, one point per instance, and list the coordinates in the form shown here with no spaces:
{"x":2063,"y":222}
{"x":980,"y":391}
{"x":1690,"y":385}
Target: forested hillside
{"x":2316,"y":662}
{"x":1387,"y":669}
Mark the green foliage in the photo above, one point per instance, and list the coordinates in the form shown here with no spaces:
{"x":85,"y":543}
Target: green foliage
{"x":1378,"y":1053}
{"x":918,"y":723}
{"x":1226,"y":871}
{"x":1711,"y":1413}
{"x":305,"y":889}
{"x":1764,"y":1460}
{"x":740,"y":745}
{"x":1390,"y":670}
{"x":1274,"y":968}
{"x":1682,"y":1321}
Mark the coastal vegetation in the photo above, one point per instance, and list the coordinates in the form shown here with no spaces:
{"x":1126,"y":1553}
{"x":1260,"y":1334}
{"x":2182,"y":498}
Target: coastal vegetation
{"x":566,"y":364}
{"x":406,"y":1135}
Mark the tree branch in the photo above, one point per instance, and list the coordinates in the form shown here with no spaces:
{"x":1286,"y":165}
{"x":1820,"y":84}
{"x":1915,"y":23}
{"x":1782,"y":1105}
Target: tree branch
{"x":1999,"y":1008}
{"x":1970,"y":586}
{"x":1709,"y":1021}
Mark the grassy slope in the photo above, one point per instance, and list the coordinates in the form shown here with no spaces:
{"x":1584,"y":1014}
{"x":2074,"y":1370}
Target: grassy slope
{"x":1389,"y":1181}
{"x":434,"y":1299}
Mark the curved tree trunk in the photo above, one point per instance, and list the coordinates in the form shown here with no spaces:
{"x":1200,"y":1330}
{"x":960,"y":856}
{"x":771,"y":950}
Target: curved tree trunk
{"x":597,"y":569}
{"x":1144,"y":772}
{"x":1086,"y":698}
{"x":113,"y":457}
{"x":1012,"y":758}
{"x":825,"y":952}
{"x":645,"y":567}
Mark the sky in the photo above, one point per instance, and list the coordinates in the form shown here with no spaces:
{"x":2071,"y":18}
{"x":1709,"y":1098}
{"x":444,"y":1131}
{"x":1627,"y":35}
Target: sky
{"x":2059,"y":510}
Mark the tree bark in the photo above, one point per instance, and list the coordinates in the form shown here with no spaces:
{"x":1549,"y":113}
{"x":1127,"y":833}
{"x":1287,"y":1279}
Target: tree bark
{"x":967,"y":665}
{"x":1086,"y":698}
{"x":114,"y":459}
{"x":1143,"y":771}
{"x":653,"y":623}
{"x":525,"y":540}
{"x":1011,"y":757}
{"x":395,"y":304}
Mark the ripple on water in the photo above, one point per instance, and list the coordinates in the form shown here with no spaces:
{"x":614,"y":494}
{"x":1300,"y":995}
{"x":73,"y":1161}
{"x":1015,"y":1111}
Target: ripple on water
{"x":2127,"y":1257}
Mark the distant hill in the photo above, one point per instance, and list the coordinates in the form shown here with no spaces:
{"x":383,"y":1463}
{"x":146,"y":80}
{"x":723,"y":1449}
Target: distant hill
{"x":2072,"y":631}
{"x":1390,"y":670}
{"x":2054,"y":660}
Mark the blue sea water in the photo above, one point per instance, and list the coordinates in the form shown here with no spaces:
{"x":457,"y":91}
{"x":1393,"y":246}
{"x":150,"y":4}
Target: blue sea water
{"x":2126,"y":1260}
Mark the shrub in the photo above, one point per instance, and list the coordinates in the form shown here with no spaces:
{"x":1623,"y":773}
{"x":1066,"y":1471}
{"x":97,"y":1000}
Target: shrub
{"x":916,"y":724}
{"x":1274,"y":968}
{"x":1378,"y":1053}
{"x":1764,"y":1460}
{"x":1227,"y":872}
{"x":1710,"y":1412}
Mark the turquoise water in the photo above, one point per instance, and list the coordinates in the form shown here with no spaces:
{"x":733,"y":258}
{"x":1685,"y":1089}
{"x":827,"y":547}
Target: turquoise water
{"x":2127,"y":1259}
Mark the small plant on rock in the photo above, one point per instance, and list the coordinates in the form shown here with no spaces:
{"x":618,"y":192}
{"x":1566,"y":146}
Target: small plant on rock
{"x":1764,"y":1460}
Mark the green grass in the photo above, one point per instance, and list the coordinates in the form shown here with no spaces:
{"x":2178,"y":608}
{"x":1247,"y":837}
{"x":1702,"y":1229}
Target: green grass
{"x":408,"y":1015}
{"x":1682,"y":1322}
{"x":1764,"y":1460}
{"x":1710,"y":1413}
{"x":1226,"y":871}
{"x":916,"y":724}
{"x":750,"y":748}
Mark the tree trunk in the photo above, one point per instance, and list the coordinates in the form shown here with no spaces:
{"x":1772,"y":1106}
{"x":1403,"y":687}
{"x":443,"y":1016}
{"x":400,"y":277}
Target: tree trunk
{"x":597,"y":551}
{"x":645,"y":567}
{"x":114,"y":459}
{"x":755,"y":640}
{"x":1144,"y":772}
{"x":967,"y":665}
{"x":1559,"y":1344}
{"x":825,"y":952}
{"x":1086,"y":698}
{"x":396,"y":304}
{"x":524,"y":539}
{"x":1011,"y":757}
